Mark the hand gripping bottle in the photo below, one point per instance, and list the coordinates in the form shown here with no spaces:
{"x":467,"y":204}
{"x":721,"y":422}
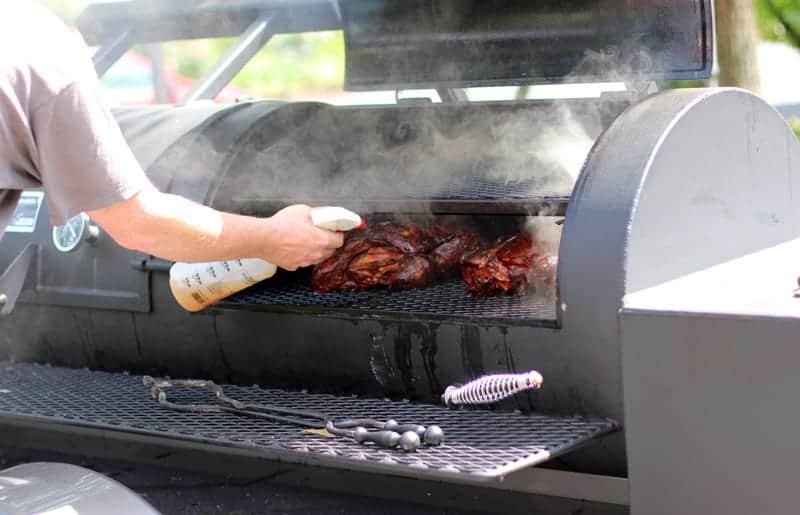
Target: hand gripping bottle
{"x":197,"y":285}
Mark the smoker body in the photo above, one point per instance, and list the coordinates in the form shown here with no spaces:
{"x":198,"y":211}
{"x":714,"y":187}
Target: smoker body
{"x":413,"y":355}
{"x":675,"y":187}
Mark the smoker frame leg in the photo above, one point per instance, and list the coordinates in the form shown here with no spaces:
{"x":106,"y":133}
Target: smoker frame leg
{"x":248,"y":45}
{"x":111,"y":52}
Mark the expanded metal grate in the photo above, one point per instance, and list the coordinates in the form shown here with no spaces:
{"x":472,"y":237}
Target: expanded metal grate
{"x":448,"y":301}
{"x":478,"y":444}
{"x":476,"y":195}
{"x":458,"y":188}
{"x":482,"y":188}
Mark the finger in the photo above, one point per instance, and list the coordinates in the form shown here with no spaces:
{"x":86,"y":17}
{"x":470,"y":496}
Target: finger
{"x":335,"y":240}
{"x":326,"y":254}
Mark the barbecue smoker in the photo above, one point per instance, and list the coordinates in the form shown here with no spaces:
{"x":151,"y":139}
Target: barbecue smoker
{"x":668,"y":350}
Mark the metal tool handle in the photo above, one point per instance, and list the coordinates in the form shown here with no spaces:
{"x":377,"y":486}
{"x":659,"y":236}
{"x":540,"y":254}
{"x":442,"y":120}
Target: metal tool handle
{"x":408,"y":441}
{"x":393,"y":425}
{"x":387,"y":439}
{"x":431,"y":435}
{"x":492,"y":388}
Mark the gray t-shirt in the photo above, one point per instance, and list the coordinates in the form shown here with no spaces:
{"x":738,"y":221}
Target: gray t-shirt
{"x":55,"y":132}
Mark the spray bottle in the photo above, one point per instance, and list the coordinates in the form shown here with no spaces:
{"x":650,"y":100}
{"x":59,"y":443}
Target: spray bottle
{"x":197,"y":285}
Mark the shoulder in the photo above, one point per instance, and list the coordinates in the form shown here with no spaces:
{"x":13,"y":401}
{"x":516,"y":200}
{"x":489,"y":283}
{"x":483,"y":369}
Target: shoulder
{"x":36,"y":47}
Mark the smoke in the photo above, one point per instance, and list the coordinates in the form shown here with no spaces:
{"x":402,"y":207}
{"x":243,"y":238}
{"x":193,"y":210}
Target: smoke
{"x":395,"y":159}
{"x":312,"y":152}
{"x":405,"y":155}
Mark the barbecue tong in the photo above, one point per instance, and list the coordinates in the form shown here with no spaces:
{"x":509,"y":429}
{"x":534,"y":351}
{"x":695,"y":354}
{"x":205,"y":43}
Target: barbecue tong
{"x":389,"y":434}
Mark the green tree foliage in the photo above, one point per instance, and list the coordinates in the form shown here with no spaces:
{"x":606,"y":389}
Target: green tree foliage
{"x":779,"y":20}
{"x":289,"y":66}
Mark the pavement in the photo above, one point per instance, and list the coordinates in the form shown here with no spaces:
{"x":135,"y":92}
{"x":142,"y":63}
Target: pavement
{"x":175,"y":492}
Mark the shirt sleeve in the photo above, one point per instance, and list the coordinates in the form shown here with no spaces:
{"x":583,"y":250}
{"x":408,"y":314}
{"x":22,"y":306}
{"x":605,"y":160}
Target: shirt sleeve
{"x":82,"y":157}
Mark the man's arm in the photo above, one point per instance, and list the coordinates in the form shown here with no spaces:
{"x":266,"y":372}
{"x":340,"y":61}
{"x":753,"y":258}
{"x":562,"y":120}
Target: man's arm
{"x":72,"y":144}
{"x":172,"y":227}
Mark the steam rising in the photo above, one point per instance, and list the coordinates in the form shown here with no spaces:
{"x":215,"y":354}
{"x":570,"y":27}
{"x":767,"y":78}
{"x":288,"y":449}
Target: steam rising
{"x":395,"y":156}
{"x":312,"y":152}
{"x":400,"y":153}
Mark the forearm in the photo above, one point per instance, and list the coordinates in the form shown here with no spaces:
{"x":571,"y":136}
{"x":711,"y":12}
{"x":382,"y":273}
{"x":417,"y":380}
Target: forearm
{"x":172,"y":227}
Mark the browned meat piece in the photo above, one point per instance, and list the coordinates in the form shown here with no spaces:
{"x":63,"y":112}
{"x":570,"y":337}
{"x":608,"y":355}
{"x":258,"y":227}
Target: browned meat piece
{"x":389,"y":267}
{"x":332,"y":274}
{"x":386,"y":254}
{"x":505,"y":266}
{"x":450,"y":244}
{"x":408,"y":238}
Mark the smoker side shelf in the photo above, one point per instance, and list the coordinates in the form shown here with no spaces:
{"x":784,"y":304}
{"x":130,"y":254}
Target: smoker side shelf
{"x":444,"y":302}
{"x":479,"y":445}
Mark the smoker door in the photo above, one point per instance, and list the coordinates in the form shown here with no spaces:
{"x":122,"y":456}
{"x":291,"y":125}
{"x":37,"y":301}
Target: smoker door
{"x":430,"y":43}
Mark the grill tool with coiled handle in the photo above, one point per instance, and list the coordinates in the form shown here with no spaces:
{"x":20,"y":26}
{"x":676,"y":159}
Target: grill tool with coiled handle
{"x":492,"y":388}
{"x":389,"y":434}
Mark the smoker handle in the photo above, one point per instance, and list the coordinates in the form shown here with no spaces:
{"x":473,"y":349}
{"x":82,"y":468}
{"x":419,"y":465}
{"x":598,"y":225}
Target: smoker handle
{"x":13,"y":278}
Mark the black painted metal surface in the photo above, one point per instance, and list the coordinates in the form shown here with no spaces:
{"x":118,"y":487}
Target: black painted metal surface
{"x":448,"y":301}
{"x":429,"y":43}
{"x":479,"y":445}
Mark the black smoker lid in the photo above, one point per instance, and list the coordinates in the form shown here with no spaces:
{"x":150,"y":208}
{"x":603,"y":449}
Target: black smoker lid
{"x":457,"y":43}
{"x":395,"y":44}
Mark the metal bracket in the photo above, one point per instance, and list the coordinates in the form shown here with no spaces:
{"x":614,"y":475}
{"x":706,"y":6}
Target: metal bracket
{"x":110,"y":53}
{"x":252,"y":40}
{"x":13,"y":278}
{"x":452,"y":95}
{"x":641,"y":88}
{"x":151,"y":264}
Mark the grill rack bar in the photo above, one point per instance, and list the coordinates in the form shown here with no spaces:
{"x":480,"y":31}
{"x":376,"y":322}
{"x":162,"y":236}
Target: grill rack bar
{"x":538,"y":206}
{"x":473,"y":195}
{"x":443,"y":302}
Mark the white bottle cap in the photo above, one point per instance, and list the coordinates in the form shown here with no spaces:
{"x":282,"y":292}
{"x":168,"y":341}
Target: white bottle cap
{"x":335,"y":218}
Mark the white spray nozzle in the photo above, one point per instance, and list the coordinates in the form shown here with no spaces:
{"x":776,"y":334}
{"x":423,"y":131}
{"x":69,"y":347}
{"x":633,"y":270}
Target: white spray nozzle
{"x":335,"y":218}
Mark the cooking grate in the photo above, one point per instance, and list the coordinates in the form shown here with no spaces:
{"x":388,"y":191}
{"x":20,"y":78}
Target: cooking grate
{"x":447,"y":301}
{"x":479,"y":445}
{"x":478,"y":195}
{"x":482,"y":188}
